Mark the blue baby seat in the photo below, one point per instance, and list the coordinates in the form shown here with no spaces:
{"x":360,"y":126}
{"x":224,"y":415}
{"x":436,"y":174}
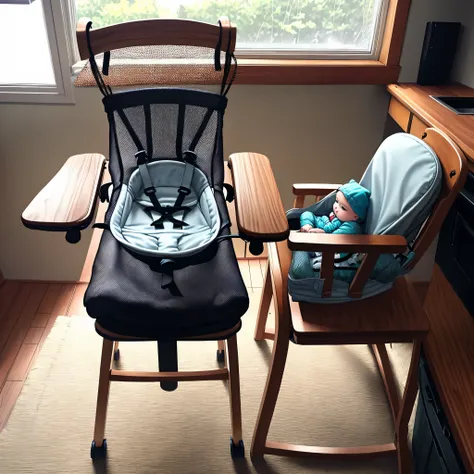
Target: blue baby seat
{"x":405,"y":178}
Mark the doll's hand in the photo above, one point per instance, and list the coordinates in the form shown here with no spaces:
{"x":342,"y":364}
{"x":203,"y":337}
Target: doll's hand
{"x":306,"y":228}
{"x":317,"y":231}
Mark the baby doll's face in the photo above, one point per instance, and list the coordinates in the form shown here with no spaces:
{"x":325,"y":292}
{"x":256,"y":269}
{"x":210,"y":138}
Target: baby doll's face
{"x":343,"y":210}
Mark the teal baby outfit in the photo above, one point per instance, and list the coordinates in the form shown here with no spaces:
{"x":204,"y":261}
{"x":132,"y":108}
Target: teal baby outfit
{"x":334,"y":226}
{"x":358,"y":198}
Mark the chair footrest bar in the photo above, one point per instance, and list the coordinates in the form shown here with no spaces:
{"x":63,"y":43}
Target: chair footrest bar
{"x":269,"y":334}
{"x":285,"y":449}
{"x":128,"y":376}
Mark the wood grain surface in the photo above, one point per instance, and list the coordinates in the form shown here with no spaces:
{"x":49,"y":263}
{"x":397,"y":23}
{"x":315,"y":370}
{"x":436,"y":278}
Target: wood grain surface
{"x":395,"y":316}
{"x":161,"y":31}
{"x":455,"y":169}
{"x":400,"y":114}
{"x":417,"y":127}
{"x":312,"y":242}
{"x":417,"y":99}
{"x":260,"y":212}
{"x":314,"y":189}
{"x":449,"y":349}
{"x":68,"y":199}
{"x":394,"y":34}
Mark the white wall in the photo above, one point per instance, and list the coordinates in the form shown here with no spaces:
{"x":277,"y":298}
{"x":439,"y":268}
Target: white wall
{"x":464,"y":67}
{"x":310,"y":133}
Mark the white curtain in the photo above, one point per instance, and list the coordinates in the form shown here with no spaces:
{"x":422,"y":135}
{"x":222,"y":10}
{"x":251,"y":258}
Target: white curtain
{"x":70,"y":23}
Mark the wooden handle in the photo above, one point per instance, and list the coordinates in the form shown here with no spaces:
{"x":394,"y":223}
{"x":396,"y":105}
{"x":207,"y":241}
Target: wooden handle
{"x":155,"y":32}
{"x":68,"y":200}
{"x":312,"y":242}
{"x":310,"y":189}
{"x":259,"y":210}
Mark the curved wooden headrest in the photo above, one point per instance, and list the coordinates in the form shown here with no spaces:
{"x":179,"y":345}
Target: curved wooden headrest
{"x":155,"y":32}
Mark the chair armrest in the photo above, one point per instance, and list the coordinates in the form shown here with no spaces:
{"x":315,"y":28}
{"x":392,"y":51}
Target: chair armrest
{"x":329,"y":244}
{"x":68,"y":200}
{"x":310,"y":189}
{"x":350,"y":243}
{"x":259,"y":211}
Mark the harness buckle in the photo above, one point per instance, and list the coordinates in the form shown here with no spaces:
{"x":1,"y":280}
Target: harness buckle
{"x":141,"y":157}
{"x":190,"y":157}
{"x":184,"y":190}
{"x":150,"y":191}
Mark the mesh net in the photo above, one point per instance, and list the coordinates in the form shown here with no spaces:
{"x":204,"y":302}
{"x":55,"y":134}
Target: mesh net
{"x":156,"y":65}
{"x":165,"y":131}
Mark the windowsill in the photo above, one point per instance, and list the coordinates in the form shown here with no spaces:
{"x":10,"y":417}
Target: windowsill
{"x":253,"y":71}
{"x":300,"y":72}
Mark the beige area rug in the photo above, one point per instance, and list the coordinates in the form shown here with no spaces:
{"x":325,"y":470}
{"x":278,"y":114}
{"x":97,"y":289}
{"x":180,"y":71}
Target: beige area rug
{"x":330,"y":396}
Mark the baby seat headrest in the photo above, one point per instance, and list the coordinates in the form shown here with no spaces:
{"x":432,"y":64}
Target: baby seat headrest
{"x":404,"y":178}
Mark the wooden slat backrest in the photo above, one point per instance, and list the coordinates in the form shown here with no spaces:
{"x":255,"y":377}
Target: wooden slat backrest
{"x":455,"y":171}
{"x":155,"y":32}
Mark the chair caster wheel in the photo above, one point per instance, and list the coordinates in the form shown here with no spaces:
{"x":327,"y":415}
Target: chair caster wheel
{"x":220,"y":356}
{"x":237,"y":450}
{"x":73,"y":236}
{"x":99,"y":452}
{"x":256,"y":247}
{"x":117,"y":354}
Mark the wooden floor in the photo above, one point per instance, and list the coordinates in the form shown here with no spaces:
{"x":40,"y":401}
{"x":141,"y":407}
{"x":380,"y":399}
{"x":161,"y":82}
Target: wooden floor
{"x":28,"y":311}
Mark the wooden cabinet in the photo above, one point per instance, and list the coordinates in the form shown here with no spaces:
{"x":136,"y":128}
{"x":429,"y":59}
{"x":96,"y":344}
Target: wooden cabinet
{"x":449,"y":346}
{"x":449,"y":350}
{"x":400,"y":114}
{"x":417,"y":127}
{"x":408,"y":121}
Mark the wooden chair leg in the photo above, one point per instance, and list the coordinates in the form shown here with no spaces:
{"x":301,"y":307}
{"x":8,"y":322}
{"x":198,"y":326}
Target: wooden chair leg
{"x":234,"y":389}
{"x":103,"y":392}
{"x":221,"y":352}
{"x":270,"y":395}
{"x":386,"y":372}
{"x":116,"y":351}
{"x":265,"y":301}
{"x":401,"y":426}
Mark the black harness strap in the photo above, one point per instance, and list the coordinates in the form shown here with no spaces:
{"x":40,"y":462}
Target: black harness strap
{"x":227,"y":66}
{"x":130,"y":129}
{"x":103,"y":87}
{"x":201,"y":130}
{"x":106,"y":63}
{"x":217,"y":51}
{"x":166,"y":212}
{"x":148,"y":131}
{"x":234,"y":73}
{"x":180,"y":131}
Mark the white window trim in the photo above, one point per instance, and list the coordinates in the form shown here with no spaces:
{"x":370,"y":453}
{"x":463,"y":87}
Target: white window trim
{"x":373,"y":53}
{"x":265,"y":53}
{"x":57,"y":16}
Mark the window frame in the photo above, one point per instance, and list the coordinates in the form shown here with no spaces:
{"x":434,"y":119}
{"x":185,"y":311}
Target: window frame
{"x":62,"y":51}
{"x":333,"y":55}
{"x":384,"y":70}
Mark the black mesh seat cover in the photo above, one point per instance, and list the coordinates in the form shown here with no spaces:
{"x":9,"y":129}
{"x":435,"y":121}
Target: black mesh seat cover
{"x":126,"y":297}
{"x":125,"y":293}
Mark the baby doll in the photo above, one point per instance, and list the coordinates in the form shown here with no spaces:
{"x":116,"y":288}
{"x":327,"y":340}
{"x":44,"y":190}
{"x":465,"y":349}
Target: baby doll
{"x":349,"y":211}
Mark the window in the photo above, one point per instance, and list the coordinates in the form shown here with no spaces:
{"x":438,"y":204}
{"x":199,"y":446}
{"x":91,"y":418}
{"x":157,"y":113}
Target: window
{"x":326,"y":29}
{"x":33,"y":53}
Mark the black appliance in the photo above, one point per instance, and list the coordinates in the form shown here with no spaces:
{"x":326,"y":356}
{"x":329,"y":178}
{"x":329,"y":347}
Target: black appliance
{"x":439,"y":49}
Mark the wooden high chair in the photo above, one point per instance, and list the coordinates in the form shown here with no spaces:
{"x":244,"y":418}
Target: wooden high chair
{"x":69,"y":202}
{"x":394,"y":316}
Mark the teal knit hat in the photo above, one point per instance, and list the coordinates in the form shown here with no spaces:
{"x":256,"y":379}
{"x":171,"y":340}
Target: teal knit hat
{"x":357,"y":196}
